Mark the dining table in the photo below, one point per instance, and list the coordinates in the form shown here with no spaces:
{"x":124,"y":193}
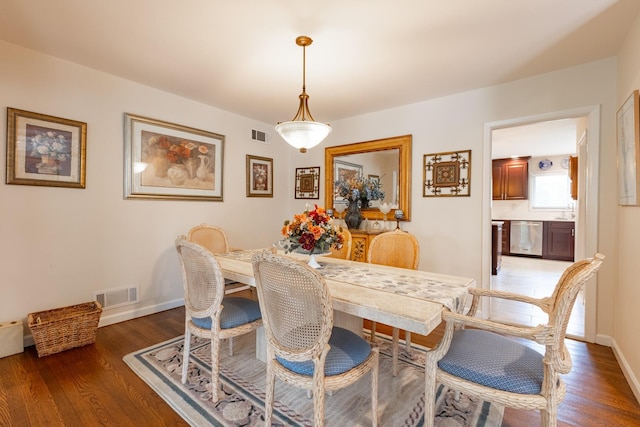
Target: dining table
{"x":412,"y":300}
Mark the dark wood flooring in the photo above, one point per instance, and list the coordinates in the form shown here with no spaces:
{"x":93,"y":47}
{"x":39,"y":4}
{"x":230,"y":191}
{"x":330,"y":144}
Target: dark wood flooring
{"x":92,"y":386}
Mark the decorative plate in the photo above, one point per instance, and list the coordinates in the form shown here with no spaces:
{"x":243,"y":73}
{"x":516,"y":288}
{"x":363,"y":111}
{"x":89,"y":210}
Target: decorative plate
{"x":545,"y":164}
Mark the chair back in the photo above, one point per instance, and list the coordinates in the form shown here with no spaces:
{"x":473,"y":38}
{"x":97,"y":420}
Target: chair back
{"x":561,"y":304}
{"x":296,"y":307}
{"x":211,"y":237}
{"x":394,"y":248}
{"x":202,"y":279}
{"x":345,"y":251}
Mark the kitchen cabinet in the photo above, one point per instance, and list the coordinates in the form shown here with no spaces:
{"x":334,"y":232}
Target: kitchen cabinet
{"x":360,"y":240}
{"x":510,"y":179}
{"x":559,"y":240}
{"x":506,"y":237}
{"x":573,"y":176}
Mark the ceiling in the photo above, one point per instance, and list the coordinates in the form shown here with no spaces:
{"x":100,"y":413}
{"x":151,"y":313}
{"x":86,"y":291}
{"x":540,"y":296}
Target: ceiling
{"x":367,"y":55}
{"x":548,"y":138}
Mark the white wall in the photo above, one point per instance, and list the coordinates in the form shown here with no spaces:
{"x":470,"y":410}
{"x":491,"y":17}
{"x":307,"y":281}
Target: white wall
{"x":627,"y":344}
{"x":61,"y":244}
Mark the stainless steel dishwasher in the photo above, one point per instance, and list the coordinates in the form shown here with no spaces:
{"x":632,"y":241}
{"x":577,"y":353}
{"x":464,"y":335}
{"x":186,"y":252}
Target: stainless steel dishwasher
{"x":526,"y":238}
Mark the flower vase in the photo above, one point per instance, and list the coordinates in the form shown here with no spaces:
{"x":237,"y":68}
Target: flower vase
{"x":313,"y":262}
{"x":353,"y":218}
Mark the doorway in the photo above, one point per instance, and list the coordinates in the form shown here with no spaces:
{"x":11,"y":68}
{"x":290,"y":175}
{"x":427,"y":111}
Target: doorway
{"x":586,"y":209}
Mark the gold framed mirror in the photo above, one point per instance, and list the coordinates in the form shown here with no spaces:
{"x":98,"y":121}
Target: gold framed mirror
{"x":388,"y":160}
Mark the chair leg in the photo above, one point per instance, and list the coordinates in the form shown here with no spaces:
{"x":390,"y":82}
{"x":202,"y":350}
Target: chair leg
{"x":185,"y":354}
{"x":373,"y":331}
{"x":230,"y":346}
{"x":215,"y":366}
{"x":549,"y":417}
{"x":318,"y":402}
{"x":430,"y":392}
{"x":268,"y":399}
{"x":374,"y":389}
{"x":395,"y":349}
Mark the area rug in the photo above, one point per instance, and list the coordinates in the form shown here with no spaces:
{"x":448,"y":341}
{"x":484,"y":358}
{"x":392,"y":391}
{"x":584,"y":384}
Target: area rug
{"x":401,"y":398}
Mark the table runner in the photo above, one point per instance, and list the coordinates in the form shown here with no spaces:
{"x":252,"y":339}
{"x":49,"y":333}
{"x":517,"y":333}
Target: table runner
{"x":449,"y":291}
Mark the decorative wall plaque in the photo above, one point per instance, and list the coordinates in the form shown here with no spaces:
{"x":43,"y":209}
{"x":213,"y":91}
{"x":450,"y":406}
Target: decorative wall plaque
{"x":447,"y":174}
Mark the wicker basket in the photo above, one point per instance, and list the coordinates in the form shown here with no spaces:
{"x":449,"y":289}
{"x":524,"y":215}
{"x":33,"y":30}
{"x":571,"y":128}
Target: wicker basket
{"x":64,"y":328}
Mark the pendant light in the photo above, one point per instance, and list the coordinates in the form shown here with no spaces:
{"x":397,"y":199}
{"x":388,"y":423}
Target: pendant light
{"x":302,"y":132}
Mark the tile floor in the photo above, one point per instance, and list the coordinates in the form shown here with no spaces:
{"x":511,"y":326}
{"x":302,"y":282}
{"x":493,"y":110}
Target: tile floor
{"x":536,"y":278}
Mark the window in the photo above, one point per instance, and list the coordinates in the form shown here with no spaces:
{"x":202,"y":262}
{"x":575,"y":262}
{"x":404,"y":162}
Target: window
{"x":550,"y":190}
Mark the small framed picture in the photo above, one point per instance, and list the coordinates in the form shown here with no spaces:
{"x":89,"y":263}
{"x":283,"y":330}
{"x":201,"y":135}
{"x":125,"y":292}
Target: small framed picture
{"x":374,"y":178}
{"x":45,"y":150}
{"x":168,"y":161}
{"x":344,"y":171}
{"x":628,"y":133}
{"x":259,"y":176}
{"x":447,"y":174}
{"x":308,"y":183}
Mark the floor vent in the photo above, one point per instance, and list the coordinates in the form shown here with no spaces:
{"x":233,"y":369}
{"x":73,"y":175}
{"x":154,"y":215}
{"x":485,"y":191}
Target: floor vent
{"x":259,"y":136}
{"x":110,"y":298}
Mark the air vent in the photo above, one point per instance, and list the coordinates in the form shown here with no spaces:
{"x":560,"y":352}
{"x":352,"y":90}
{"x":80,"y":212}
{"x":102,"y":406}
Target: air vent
{"x":259,"y":136}
{"x":110,"y":298}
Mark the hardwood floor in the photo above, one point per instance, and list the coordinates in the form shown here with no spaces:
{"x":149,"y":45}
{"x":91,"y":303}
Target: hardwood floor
{"x":536,"y":278}
{"x":92,"y":386}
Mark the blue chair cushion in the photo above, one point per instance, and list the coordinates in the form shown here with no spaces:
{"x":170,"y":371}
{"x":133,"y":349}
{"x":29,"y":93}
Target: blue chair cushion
{"x":236,"y":311}
{"x":494,"y":361}
{"x":347,"y":351}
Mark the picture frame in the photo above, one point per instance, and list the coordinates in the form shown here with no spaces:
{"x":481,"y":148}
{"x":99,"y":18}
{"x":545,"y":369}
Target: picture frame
{"x":343,"y":171}
{"x":168,"y":161}
{"x":259,"y":176}
{"x":447,"y":174}
{"x":307,"y":183}
{"x":45,"y":150}
{"x":374,"y":178}
{"x":628,"y":139}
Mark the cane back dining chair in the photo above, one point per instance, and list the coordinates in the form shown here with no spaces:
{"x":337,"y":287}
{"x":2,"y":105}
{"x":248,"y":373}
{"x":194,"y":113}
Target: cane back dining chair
{"x":486,"y":361}
{"x":215,"y":240}
{"x":304,"y":349}
{"x":345,"y":251}
{"x":209,"y":314}
{"x":397,"y":249}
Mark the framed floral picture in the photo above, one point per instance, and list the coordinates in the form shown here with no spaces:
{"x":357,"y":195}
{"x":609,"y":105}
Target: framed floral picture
{"x":259,"y":176}
{"x":447,"y":174}
{"x":45,"y":150}
{"x":628,"y":135}
{"x":307,"y":183}
{"x":169,"y":161}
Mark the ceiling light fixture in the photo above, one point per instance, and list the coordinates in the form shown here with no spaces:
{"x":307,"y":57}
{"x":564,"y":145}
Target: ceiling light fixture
{"x":302,"y":132}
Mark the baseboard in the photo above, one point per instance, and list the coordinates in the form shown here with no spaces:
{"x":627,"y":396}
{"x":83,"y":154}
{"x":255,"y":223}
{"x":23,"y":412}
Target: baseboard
{"x":626,"y":370}
{"x":603,"y":340}
{"x":107,"y":319}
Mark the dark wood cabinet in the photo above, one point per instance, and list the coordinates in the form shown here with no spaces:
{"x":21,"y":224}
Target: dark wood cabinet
{"x":573,"y":175}
{"x":506,"y":237}
{"x":558,"y":240}
{"x":510,"y":179}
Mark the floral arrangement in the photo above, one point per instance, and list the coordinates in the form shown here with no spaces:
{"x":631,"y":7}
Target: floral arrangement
{"x":176,"y":151}
{"x":49,"y":145}
{"x":360,"y":188}
{"x":311,"y":231}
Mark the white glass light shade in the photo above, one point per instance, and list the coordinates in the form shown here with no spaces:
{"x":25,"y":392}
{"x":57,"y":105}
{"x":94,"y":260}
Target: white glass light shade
{"x":303,"y":134}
